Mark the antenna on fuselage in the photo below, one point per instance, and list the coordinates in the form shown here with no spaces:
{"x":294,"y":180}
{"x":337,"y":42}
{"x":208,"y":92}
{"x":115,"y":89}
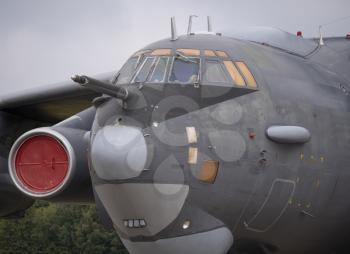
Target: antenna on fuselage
{"x":189,"y":28}
{"x":210,"y":28}
{"x":173,"y":29}
{"x":332,"y":22}
{"x":321,"y":42}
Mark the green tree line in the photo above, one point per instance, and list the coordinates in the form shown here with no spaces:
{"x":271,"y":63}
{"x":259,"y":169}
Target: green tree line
{"x":58,"y":228}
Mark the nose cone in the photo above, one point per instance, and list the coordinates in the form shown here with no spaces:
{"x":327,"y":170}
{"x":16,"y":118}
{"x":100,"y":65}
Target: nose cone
{"x":118,"y":152}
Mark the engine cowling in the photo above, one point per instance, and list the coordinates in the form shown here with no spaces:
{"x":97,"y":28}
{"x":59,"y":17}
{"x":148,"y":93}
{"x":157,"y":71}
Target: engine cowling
{"x":51,"y":163}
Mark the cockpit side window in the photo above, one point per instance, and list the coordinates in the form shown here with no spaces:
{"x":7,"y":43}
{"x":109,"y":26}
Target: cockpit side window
{"x":127,"y":71}
{"x":158,"y":74}
{"x":214,"y":72}
{"x":144,"y":70}
{"x":184,"y":70}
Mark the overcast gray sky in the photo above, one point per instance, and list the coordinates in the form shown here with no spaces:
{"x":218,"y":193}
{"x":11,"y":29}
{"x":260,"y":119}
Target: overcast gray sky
{"x":46,"y":41}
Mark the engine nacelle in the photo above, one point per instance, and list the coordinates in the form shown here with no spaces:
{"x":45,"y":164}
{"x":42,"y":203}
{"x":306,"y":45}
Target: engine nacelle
{"x":51,"y":163}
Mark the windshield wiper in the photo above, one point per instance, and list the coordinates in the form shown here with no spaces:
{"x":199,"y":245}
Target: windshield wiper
{"x":116,"y":78}
{"x":185,"y":58}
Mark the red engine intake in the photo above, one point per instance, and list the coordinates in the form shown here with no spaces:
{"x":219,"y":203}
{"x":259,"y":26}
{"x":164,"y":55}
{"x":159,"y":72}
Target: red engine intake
{"x":41,"y":163}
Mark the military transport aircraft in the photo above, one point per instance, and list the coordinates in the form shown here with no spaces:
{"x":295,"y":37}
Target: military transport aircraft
{"x":202,"y":143}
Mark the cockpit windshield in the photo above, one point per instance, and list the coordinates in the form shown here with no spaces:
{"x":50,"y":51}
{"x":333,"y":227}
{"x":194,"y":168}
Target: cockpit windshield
{"x":127,"y":71}
{"x":214,"y":73}
{"x":144,"y":71}
{"x":158,"y":74}
{"x":185,"y":66}
{"x":185,"y":70}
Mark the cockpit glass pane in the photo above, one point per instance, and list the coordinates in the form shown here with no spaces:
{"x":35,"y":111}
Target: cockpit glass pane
{"x":144,"y":70}
{"x":214,"y":72}
{"x":127,"y":71}
{"x":158,"y":74}
{"x":184,"y":70}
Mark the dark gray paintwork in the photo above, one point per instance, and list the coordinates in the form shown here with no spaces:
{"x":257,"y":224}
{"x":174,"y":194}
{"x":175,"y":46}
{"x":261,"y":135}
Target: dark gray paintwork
{"x":271,"y":184}
{"x":51,"y":103}
{"x":46,"y":93}
{"x":274,"y":198}
{"x":276,"y":38}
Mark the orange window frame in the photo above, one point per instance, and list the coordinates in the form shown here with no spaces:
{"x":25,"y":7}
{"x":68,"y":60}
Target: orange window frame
{"x":220,"y":53}
{"x":247,"y":74}
{"x":209,"y":53}
{"x":161,"y":52}
{"x":234,"y":73}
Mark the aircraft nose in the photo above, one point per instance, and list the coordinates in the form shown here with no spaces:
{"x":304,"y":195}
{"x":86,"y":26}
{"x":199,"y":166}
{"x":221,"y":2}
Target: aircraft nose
{"x":118,"y":152}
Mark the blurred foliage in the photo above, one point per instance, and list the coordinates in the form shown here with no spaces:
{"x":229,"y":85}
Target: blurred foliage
{"x":58,"y":228}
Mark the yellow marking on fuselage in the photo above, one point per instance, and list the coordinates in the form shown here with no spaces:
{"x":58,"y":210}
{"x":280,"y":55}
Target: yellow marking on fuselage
{"x":192,"y":155}
{"x":191,"y":135}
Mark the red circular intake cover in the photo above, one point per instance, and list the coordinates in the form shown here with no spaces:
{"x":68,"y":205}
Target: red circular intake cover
{"x":41,"y":163}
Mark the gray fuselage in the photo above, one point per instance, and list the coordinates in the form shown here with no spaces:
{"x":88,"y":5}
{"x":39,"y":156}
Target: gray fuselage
{"x":271,"y":197}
